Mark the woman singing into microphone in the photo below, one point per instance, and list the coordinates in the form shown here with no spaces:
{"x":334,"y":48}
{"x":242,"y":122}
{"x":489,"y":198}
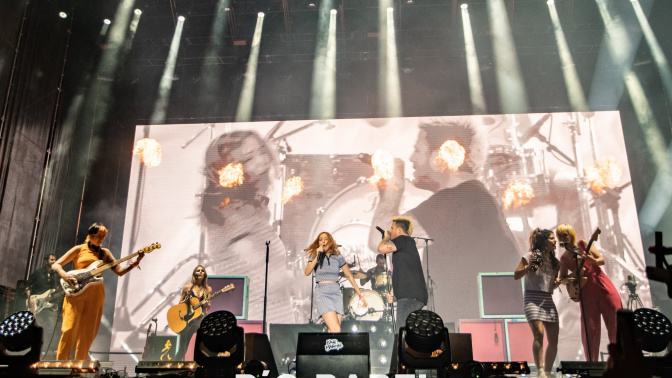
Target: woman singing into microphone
{"x":326,"y":260}
{"x":540,"y":268}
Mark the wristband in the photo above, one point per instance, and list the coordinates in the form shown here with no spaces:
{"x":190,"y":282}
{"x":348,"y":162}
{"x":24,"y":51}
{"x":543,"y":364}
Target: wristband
{"x":360,"y":295}
{"x":133,"y":264}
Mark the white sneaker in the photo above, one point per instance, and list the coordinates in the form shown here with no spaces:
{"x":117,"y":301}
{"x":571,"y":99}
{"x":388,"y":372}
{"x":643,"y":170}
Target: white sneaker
{"x":541,"y":374}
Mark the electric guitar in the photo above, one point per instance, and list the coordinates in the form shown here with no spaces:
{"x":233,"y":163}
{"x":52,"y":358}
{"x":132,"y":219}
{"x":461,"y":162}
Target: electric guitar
{"x":574,"y":283}
{"x":43,"y":301}
{"x":91,"y":275}
{"x":181,"y":314}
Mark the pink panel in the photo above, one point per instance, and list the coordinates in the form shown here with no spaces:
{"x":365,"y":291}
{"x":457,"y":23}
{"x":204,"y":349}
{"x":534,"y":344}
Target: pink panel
{"x":483,"y":338}
{"x":520,"y":341}
{"x":251,"y":326}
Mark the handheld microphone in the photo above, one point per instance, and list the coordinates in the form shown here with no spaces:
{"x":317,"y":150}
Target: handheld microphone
{"x":382,"y":232}
{"x":149,"y":329}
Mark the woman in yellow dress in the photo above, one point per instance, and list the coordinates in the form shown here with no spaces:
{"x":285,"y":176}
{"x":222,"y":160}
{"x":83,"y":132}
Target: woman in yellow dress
{"x":82,"y":313}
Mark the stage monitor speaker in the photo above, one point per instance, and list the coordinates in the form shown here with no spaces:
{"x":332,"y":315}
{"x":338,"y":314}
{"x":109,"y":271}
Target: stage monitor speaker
{"x":460,"y":347}
{"x":257,"y":347}
{"x":338,"y":354}
{"x":160,"y":348}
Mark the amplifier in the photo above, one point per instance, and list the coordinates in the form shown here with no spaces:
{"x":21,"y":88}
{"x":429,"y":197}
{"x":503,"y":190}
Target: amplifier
{"x":585,"y":368}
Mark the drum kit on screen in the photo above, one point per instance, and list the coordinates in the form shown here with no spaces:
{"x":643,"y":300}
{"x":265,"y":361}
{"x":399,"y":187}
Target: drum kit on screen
{"x":375,"y":299}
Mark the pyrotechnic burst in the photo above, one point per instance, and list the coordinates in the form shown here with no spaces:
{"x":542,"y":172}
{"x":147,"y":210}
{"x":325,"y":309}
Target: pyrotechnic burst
{"x":149,"y":151}
{"x":231,"y":175}
{"x":451,"y":155}
{"x":605,"y":173}
{"x":517,"y":194}
{"x":293,"y":187}
{"x":383,"y":167}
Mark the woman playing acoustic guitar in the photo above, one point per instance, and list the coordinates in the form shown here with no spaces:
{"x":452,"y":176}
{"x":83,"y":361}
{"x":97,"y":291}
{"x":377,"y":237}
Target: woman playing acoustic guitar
{"x":198,"y":288}
{"x":600,"y":297}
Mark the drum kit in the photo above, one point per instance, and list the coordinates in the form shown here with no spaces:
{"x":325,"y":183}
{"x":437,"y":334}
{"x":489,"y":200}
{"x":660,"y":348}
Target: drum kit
{"x":375,"y":299}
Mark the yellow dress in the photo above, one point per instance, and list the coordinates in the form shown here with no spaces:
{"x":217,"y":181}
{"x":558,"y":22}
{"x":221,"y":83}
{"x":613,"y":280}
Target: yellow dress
{"x":81,"y":314}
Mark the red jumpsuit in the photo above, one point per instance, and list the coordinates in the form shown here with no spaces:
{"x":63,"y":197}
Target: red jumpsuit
{"x":600,"y":298}
{"x":81,"y":314}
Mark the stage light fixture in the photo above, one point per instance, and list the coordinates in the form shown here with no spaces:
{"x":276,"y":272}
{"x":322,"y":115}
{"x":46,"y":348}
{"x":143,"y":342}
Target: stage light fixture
{"x":260,"y":14}
{"x":550,"y":2}
{"x":62,"y":15}
{"x":68,"y":368}
{"x":107,"y":21}
{"x":390,"y":10}
{"x":333,"y":11}
{"x":255,"y":368}
{"x":19,"y":332}
{"x":653,"y":328}
{"x":220,"y":344}
{"x":424,"y":343}
{"x":312,"y":4}
{"x":165,"y":367}
{"x":138,"y":12}
{"x":464,"y":6}
{"x":180,"y":18}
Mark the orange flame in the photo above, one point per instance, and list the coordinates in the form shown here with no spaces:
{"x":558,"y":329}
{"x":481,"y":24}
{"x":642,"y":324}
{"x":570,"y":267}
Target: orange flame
{"x":605,"y":173}
{"x":293,"y":187}
{"x":231,"y":175}
{"x":149,"y":151}
{"x":451,"y":155}
{"x":517,"y":194}
{"x":383,"y":167}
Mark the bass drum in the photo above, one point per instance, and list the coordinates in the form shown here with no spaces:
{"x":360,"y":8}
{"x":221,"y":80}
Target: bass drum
{"x":349,"y":214}
{"x":374,"y":310}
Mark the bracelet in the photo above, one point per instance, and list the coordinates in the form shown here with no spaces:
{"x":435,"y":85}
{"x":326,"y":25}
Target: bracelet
{"x":360,"y":295}
{"x":133,"y":264}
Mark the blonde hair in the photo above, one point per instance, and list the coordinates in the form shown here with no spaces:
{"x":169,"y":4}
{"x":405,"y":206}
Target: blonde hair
{"x":405,"y":223}
{"x":566,"y":229}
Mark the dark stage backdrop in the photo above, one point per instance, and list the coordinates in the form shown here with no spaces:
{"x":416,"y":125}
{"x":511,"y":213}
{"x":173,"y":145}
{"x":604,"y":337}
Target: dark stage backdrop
{"x":181,"y":204}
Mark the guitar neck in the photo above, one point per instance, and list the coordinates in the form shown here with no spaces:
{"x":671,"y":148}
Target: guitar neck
{"x":107,"y":266}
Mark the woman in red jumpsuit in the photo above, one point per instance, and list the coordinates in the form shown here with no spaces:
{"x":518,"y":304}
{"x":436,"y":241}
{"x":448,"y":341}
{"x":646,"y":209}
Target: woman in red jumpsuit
{"x":600,"y":297}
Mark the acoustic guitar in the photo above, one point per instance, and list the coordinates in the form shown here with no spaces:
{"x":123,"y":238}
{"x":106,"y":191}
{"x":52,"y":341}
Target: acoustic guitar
{"x":573,"y":284}
{"x":181,"y":314}
{"x":91,"y":275}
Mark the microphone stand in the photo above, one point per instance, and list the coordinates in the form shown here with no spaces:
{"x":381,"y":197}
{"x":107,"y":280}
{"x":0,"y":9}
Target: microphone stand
{"x":389,"y":306}
{"x":585,"y":326}
{"x":312,"y":297}
{"x":430,"y":282}
{"x":266,"y":287}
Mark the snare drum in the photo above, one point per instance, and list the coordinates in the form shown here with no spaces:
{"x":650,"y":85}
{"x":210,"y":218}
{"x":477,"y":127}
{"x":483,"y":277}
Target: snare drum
{"x":374,"y":310}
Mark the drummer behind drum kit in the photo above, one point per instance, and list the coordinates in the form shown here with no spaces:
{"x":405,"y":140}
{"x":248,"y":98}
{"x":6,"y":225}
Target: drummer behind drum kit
{"x":376,"y":310}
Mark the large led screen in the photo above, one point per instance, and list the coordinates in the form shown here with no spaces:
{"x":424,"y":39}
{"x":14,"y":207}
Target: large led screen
{"x":221,"y":191}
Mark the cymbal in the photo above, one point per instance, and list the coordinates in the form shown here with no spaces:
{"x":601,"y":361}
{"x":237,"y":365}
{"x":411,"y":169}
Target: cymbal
{"x":356,"y":274}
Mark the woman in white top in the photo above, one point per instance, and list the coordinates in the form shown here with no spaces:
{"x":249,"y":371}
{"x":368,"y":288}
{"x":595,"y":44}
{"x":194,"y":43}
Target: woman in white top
{"x":540,"y":268}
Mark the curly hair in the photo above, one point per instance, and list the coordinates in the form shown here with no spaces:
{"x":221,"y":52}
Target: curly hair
{"x":538,"y":241}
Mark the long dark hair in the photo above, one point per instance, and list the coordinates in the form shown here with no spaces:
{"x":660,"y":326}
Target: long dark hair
{"x":538,"y":242}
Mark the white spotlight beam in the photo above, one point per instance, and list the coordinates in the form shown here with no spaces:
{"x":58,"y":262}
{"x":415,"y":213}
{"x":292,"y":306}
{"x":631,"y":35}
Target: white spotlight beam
{"x":659,"y":58}
{"x":511,"y":88}
{"x":392,"y":85}
{"x":323,"y":91}
{"x":244,"y":111}
{"x":659,"y":196}
{"x":211,"y":73}
{"x":577,"y":98}
{"x":166,"y":84}
{"x":473,"y":68}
